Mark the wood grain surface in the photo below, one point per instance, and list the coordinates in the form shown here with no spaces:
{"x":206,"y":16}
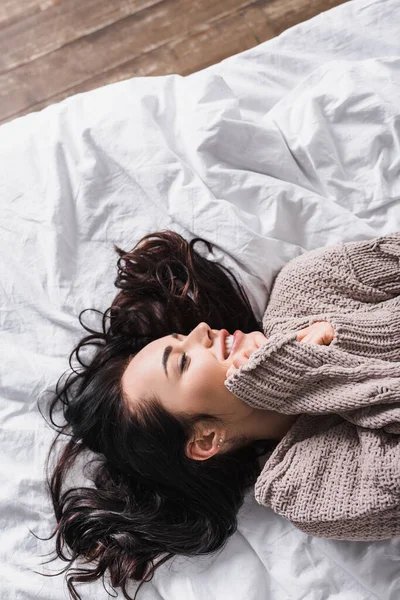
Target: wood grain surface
{"x":52,"y":49}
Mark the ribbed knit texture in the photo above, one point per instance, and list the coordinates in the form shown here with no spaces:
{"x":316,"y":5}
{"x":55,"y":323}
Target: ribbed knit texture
{"x":336,"y":473}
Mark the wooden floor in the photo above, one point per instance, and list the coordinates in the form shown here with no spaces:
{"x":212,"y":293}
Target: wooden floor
{"x":52,"y":49}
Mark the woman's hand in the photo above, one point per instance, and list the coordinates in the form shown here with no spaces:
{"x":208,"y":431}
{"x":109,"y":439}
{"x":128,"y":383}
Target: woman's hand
{"x":320,"y":332}
{"x":257,"y":340}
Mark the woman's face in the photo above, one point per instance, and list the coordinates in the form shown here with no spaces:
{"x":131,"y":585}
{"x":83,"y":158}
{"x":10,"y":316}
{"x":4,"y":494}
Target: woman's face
{"x":187,"y":372}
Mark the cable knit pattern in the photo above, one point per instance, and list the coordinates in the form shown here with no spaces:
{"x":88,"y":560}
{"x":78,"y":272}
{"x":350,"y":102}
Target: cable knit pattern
{"x":336,"y":473}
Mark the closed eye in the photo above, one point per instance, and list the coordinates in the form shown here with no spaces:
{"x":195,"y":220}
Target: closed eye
{"x":184,"y":360}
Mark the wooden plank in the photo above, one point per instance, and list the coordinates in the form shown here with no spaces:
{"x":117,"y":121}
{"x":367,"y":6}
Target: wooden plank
{"x":36,"y":35}
{"x":158,"y":40}
{"x":12,"y":10}
{"x":225,"y":37}
{"x":71,"y":65}
{"x":231,"y":35}
{"x":283,"y":14}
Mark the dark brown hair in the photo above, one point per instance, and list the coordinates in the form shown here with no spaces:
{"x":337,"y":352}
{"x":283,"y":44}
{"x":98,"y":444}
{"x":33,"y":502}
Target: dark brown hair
{"x":146,"y":498}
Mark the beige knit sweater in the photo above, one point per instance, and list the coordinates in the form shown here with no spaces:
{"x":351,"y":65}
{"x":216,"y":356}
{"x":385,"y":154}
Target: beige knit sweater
{"x":336,"y":473}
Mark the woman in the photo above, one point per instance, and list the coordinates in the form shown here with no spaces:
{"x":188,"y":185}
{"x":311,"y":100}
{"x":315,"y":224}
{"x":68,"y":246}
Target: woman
{"x":177,"y":411}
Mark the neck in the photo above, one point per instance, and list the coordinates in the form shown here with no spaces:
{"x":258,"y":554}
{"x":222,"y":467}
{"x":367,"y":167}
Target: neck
{"x":269,"y":424}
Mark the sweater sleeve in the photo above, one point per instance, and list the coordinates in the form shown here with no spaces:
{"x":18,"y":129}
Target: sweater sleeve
{"x":335,"y":480}
{"x":373,"y":334}
{"x":343,"y":278}
{"x":379,"y":526}
{"x":375,"y":263}
{"x":291,"y":377}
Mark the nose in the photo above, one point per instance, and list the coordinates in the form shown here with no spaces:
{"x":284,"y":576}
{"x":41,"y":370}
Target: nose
{"x":202,"y":334}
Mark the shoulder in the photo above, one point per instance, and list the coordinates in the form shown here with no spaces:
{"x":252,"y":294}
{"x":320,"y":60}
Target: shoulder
{"x":304,"y":481}
{"x":316,"y":279}
{"x":318,"y":259}
{"x":304,"y":469}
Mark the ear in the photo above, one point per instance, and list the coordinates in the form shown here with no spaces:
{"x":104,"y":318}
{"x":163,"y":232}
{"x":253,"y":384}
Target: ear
{"x":204,"y":445}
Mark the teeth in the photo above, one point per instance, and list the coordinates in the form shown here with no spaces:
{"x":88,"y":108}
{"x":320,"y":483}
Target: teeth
{"x":229,"y":343}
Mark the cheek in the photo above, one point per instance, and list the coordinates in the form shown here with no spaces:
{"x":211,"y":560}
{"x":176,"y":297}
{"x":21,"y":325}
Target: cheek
{"x":207,"y":378}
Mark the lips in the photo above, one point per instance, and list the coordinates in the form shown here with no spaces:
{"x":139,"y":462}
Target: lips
{"x":237,"y":337}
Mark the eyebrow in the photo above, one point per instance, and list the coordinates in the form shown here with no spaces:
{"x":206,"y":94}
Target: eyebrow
{"x":166,"y":354}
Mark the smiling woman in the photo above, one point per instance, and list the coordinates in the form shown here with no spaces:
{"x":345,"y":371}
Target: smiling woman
{"x":175,"y":451}
{"x":177,"y":437}
{"x":194,"y":384}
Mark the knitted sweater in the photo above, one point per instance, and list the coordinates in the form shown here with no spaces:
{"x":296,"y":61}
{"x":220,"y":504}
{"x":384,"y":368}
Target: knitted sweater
{"x":336,"y":473}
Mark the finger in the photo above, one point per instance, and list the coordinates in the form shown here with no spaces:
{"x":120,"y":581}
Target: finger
{"x":260,"y":339}
{"x":250,"y":351}
{"x":234,"y":367}
{"x":301,"y":334}
{"x":241,"y":360}
{"x":231,"y":370}
{"x":238,"y":362}
{"x":311,"y":339}
{"x":254,"y":349}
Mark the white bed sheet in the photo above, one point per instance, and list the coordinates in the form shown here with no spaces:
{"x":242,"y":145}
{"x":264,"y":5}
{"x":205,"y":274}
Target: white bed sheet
{"x":286,"y":147}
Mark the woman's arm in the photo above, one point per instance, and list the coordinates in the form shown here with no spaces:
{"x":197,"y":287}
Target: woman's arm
{"x":292,"y":377}
{"x":335,"y":480}
{"x":349,"y":376}
{"x":341,"y":278}
{"x":375,"y":264}
{"x":355,"y":287}
{"x":381,"y":525}
{"x":373,"y":334}
{"x":318,"y":333}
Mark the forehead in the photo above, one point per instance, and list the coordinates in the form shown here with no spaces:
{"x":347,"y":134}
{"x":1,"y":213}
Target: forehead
{"x":145,"y":366}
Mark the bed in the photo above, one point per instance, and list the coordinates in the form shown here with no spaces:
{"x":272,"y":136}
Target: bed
{"x":289,"y":146}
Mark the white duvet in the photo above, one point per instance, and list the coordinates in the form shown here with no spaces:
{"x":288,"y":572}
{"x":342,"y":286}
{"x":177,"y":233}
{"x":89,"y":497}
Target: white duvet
{"x":289,"y":146}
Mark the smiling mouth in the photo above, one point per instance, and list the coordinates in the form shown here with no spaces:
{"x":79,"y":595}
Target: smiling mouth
{"x":224,"y":334}
{"x":227,"y":341}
